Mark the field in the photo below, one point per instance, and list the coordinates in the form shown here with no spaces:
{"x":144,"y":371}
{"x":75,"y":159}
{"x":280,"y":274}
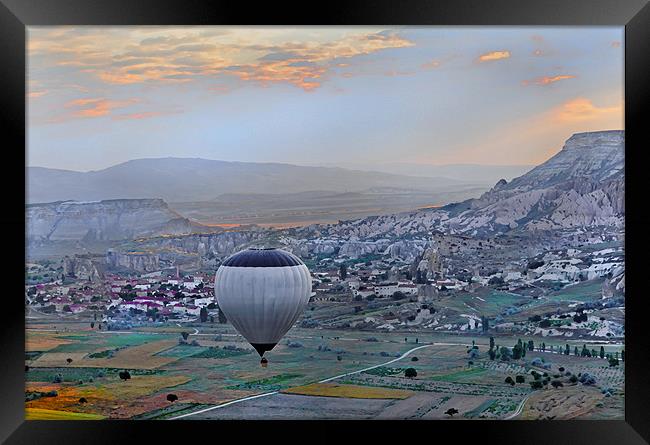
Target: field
{"x":348,"y":391}
{"x":301,"y":381}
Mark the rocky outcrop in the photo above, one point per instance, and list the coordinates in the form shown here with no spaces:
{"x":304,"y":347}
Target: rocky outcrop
{"x":582,"y":185}
{"x":109,"y":220}
{"x":137,"y":261}
{"x":84,"y":267}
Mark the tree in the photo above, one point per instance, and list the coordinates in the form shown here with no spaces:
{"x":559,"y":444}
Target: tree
{"x":172,"y":398}
{"x":622,"y":355}
{"x":566,"y":350}
{"x":83,"y":400}
{"x":531,"y":345}
{"x":543,"y":346}
{"x":510,"y":381}
{"x":397,"y":295}
{"x":556,"y":384}
{"x":125,"y":375}
{"x":410,"y":373}
{"x":491,"y":342}
{"x":203,"y":315}
{"x":414,"y":359}
{"x":69,"y":360}
{"x":536,"y":384}
{"x":343,"y":271}
{"x":584,"y":352}
{"x":492,"y":353}
{"x":504,"y":353}
{"x":485,"y":324}
{"x":451,"y":411}
{"x":185,"y":335}
{"x":613,"y":361}
{"x":517,"y":352}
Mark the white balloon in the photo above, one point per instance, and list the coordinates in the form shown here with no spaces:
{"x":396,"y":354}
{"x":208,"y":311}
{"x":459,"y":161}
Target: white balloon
{"x":262,"y":292}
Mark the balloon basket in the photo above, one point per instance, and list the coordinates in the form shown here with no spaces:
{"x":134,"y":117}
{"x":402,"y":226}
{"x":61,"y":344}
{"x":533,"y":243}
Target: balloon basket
{"x":264,"y":362}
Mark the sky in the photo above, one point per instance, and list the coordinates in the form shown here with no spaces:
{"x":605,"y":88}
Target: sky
{"x":99,"y":96}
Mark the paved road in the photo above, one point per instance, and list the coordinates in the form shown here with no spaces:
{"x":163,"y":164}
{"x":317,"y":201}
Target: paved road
{"x":519,"y":409}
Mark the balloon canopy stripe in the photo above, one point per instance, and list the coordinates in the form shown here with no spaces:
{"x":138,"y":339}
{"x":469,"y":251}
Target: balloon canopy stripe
{"x":262,"y":258}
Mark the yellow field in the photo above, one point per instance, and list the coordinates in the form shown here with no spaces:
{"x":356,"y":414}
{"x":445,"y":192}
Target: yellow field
{"x":348,"y":391}
{"x":115,"y":399}
{"x":43,"y":342}
{"x":135,"y":357}
{"x":142,"y":385}
{"x":48,"y":414}
{"x":54,"y":359}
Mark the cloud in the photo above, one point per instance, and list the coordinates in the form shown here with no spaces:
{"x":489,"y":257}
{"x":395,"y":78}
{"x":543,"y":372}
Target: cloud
{"x":141,"y":115}
{"x":94,"y":107}
{"x":538,"y":53}
{"x":36,"y":94}
{"x":616,"y":44}
{"x":431,"y":64}
{"x":493,"y":55}
{"x":547,"y":80}
{"x":581,"y":109}
{"x":125,"y":57}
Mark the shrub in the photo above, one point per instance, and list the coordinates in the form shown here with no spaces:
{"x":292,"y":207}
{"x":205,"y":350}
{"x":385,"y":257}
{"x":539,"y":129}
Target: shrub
{"x":410,"y":373}
{"x":414,"y":359}
{"x":509,"y":381}
{"x":520,"y":379}
{"x":172,"y":398}
{"x":556,"y":384}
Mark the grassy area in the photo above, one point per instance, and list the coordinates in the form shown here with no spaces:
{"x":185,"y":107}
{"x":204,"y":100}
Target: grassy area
{"x":49,"y":414}
{"x":215,"y":352}
{"x":460,"y":376}
{"x":348,"y":391}
{"x":270,"y":384}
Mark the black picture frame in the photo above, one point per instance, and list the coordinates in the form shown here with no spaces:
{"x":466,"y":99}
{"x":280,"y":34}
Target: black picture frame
{"x":16,"y":15}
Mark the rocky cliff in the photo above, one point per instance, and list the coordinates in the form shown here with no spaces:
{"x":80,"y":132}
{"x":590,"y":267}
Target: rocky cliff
{"x":116,"y":219}
{"x":582,"y":185}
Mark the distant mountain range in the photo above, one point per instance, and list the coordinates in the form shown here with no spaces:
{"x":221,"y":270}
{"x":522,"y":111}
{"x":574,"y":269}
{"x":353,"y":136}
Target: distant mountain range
{"x":194,"y":180}
{"x":583,"y":185}
{"x":485,"y":174}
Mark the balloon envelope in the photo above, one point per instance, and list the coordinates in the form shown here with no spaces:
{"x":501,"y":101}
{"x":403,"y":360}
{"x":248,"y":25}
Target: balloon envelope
{"x":262,"y":292}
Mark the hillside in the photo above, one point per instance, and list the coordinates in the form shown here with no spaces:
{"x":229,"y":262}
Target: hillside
{"x":194,"y":180}
{"x":104,"y":220}
{"x":582,"y":185}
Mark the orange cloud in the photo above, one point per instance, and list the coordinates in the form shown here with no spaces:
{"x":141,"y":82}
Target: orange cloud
{"x":494,"y":55}
{"x":96,"y":107}
{"x":546,"y":80}
{"x":431,"y":64}
{"x":36,"y":94}
{"x":582,"y":109}
{"x":180,"y":55}
{"x":138,"y":116}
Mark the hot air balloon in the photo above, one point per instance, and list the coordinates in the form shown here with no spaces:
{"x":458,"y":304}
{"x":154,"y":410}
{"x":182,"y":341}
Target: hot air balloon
{"x":262,"y":292}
